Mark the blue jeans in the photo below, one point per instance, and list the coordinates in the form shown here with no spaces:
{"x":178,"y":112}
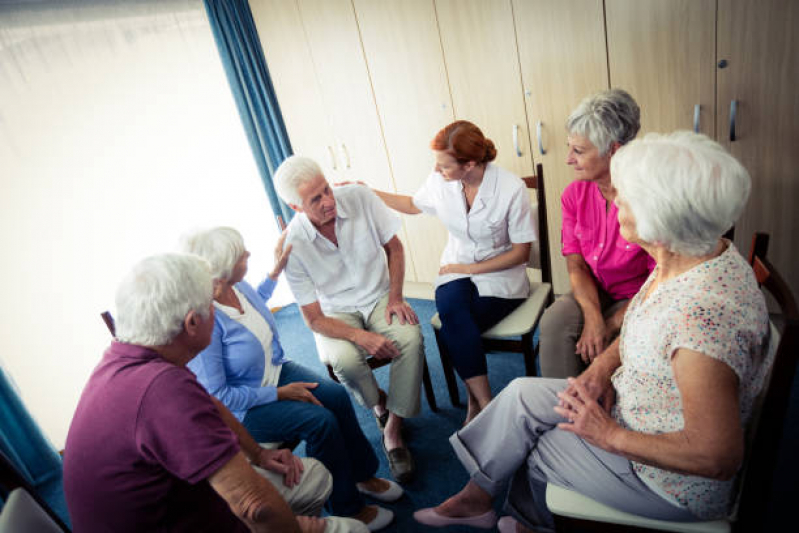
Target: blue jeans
{"x":331,"y":433}
{"x":465,"y":315}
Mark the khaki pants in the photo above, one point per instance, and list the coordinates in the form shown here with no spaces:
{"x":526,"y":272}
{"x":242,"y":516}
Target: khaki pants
{"x":308,"y":497}
{"x":349,"y":361}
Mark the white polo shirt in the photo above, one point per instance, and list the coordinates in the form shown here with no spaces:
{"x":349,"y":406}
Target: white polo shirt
{"x":500,"y":216}
{"x":350,"y":277}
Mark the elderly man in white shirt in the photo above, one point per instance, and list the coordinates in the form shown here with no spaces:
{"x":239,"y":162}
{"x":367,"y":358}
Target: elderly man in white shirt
{"x":346,"y":271}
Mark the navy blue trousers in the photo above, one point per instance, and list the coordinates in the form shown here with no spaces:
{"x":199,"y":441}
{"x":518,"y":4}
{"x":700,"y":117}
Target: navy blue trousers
{"x":465,"y":315}
{"x":331,"y":434}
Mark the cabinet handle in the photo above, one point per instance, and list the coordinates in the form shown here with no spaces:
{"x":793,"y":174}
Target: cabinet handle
{"x":696,"y":118}
{"x":332,"y":157}
{"x":516,"y":140}
{"x":733,"y":112}
{"x":346,"y":154}
{"x":540,"y":140}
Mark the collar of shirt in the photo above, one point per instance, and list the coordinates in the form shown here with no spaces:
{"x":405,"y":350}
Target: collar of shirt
{"x":310,"y":230}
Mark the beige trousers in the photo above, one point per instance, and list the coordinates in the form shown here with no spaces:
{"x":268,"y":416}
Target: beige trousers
{"x":349,"y":361}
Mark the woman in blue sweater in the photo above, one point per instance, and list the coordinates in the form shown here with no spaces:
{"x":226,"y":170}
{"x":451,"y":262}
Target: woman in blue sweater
{"x":277,"y":399}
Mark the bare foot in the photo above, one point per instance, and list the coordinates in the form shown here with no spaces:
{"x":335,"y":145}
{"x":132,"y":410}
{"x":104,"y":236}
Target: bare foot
{"x":374,"y":484}
{"x":367,"y":514}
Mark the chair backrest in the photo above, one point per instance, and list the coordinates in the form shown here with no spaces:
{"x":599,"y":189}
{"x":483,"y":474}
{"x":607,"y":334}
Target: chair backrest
{"x":539,"y":252}
{"x":109,"y":322}
{"x":761,"y":459}
{"x":23,"y":513}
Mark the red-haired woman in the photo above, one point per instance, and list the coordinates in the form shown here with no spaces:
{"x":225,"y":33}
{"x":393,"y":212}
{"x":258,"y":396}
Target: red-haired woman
{"x":482,"y":277}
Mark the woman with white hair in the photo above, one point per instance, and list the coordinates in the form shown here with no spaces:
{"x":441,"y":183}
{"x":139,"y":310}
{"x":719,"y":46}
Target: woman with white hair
{"x":605,"y":269}
{"x":277,"y":399}
{"x":655,"y":426}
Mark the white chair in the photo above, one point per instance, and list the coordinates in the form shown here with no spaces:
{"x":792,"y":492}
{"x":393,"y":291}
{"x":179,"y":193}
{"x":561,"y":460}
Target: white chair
{"x":574,"y":512}
{"x":22,"y":513}
{"x":521,"y":323}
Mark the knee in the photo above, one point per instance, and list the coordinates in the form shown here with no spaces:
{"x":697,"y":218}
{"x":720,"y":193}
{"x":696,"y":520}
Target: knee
{"x":449,"y":303}
{"x":564,"y":312}
{"x":346,"y":361}
{"x":319,"y":478}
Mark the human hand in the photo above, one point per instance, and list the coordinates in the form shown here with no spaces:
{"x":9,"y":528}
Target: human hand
{"x":377,"y":345}
{"x":404,"y":312}
{"x":282,"y":462}
{"x":598,"y":386}
{"x":593,"y":340}
{"x":454,"y":268}
{"x":311,"y":524}
{"x":281,"y":256}
{"x":299,"y":392}
{"x":586,"y":418}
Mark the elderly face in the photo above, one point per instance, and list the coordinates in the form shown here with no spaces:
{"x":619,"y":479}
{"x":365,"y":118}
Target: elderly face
{"x":448,"y":166}
{"x":240,"y":268}
{"x":584,"y":157}
{"x":318,"y":202}
{"x":626,"y":221}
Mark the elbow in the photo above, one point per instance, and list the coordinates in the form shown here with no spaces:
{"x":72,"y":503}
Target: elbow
{"x":722,"y":465}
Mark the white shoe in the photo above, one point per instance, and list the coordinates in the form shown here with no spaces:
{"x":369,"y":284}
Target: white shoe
{"x":392,"y":494}
{"x":384,"y":517}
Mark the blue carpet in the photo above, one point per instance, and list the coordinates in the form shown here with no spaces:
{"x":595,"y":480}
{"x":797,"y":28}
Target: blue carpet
{"x":440,"y":474}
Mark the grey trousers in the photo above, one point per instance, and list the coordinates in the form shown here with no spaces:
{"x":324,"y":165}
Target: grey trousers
{"x":349,"y":361}
{"x":515,"y":440}
{"x":560,"y":329}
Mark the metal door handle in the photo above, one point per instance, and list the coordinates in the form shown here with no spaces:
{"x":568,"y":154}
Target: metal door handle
{"x":332,"y":157}
{"x":516,"y":140}
{"x":346,"y":154}
{"x":697,"y":107}
{"x":733,"y":113}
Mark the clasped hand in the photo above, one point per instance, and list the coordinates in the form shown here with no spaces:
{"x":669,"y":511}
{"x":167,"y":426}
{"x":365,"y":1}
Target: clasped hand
{"x":282,"y":462}
{"x":454,"y":268}
{"x":586,"y":417}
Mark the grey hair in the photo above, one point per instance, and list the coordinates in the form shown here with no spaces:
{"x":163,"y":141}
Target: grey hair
{"x":153,"y":300}
{"x":293,"y":173}
{"x":222,"y":247}
{"x":606,"y":117}
{"x":684,"y":190}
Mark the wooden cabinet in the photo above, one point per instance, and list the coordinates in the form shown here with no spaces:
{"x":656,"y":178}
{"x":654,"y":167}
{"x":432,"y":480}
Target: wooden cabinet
{"x":563,"y":60}
{"x":760,"y":46}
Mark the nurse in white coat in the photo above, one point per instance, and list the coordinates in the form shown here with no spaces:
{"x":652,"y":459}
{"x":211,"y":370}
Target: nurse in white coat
{"x":482,"y":278}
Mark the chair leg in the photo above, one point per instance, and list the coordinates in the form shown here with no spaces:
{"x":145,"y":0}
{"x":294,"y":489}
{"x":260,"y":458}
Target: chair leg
{"x":449,"y":372}
{"x":428,"y":388}
{"x":529,"y":354}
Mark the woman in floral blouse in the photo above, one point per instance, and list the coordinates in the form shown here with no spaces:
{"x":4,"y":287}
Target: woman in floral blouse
{"x":655,"y":425}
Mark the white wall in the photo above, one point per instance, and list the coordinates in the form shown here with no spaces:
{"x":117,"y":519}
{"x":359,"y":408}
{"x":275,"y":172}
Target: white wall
{"x":111,"y":146}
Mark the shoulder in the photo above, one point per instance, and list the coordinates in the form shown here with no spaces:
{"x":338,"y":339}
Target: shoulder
{"x":507,"y":181}
{"x":578,"y":188}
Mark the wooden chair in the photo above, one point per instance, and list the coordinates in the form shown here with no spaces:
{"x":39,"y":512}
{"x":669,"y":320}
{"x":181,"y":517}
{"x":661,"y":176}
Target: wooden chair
{"x":374,"y":363}
{"x":574,"y":511}
{"x":514,"y":333}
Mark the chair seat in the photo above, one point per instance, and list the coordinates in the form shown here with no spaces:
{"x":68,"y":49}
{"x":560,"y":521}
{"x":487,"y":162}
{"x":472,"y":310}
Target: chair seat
{"x":565,"y":502}
{"x":521,"y":320}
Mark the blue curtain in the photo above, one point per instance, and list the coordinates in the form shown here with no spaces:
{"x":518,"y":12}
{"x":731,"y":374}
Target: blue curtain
{"x":243,"y":59}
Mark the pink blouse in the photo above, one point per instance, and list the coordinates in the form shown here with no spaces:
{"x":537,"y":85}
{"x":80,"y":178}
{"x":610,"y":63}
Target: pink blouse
{"x":592,"y":230}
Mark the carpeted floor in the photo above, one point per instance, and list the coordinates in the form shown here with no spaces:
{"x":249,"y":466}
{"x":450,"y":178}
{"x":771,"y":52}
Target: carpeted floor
{"x":440,"y":474}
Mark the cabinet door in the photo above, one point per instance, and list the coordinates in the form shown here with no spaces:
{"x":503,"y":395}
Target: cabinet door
{"x":331,"y":33}
{"x":290,"y":64}
{"x":479,"y":41}
{"x":401,"y":43}
{"x":563,"y":60}
{"x":760,"y":44}
{"x":663,"y":54}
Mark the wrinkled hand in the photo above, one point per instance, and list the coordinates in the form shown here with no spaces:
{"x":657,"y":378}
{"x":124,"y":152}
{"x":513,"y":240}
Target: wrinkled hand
{"x":593,"y":340}
{"x":282,"y":462}
{"x":404,"y":312}
{"x":298,"y":391}
{"x":377,"y":345}
{"x":586,"y":418}
{"x":311,"y":524}
{"x":454,"y":268}
{"x":281,"y":255}
{"x":596,"y":384}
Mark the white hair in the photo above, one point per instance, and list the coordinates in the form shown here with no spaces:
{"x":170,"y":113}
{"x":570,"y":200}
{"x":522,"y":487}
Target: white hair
{"x":153,"y":300}
{"x":291,"y":174}
{"x":606,"y":117}
{"x":684,"y":189}
{"x":222,"y":247}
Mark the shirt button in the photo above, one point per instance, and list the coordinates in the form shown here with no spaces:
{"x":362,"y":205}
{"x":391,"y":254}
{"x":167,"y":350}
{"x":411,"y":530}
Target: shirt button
{"x":595,"y":258}
{"x":601,"y":244}
{"x":627,"y":247}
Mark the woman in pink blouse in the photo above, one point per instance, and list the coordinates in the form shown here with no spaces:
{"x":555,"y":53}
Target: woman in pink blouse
{"x":655,"y":425}
{"x":605,"y":270}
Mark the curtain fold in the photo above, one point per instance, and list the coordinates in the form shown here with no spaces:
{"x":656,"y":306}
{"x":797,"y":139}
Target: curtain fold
{"x":243,"y":59}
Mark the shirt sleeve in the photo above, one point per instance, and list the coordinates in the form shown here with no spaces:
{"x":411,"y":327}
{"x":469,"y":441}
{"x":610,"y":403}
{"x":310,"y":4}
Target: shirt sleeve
{"x":426,"y":198}
{"x":266,"y":288}
{"x":180,"y":428}
{"x":209,"y":367}
{"x":384,"y":220}
{"x":570,"y":244}
{"x":521,"y":226}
